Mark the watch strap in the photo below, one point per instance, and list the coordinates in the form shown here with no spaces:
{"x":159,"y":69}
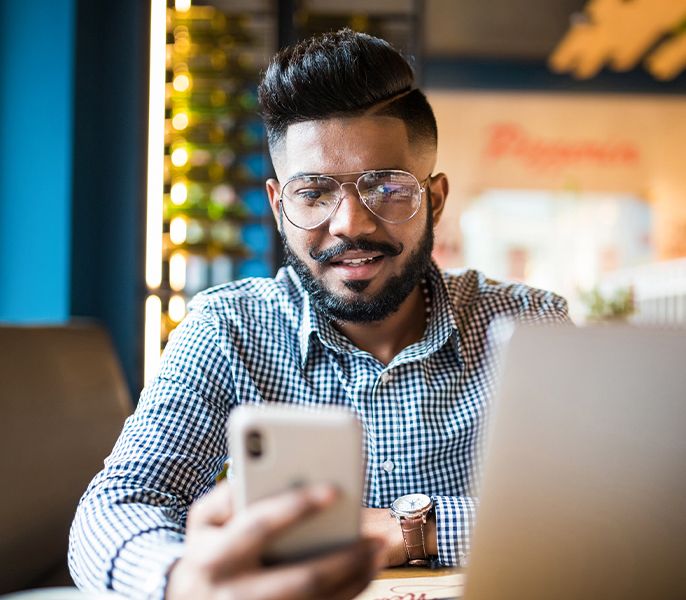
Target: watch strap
{"x":413,"y":536}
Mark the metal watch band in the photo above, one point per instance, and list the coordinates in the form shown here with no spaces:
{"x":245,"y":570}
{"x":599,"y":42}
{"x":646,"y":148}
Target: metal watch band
{"x":413,"y":536}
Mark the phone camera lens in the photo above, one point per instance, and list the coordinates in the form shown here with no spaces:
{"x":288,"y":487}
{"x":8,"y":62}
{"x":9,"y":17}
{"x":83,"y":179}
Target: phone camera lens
{"x":253,"y":443}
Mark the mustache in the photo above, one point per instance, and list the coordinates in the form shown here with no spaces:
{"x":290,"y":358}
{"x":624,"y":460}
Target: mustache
{"x":385,"y":248}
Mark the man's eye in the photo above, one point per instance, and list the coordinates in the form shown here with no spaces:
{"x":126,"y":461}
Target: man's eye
{"x":313,"y":196}
{"x":308,"y":194}
{"x":386,"y":190}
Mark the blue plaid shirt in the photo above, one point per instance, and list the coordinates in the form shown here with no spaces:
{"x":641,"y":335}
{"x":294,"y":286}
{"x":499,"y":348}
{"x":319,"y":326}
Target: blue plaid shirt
{"x":260,"y":340}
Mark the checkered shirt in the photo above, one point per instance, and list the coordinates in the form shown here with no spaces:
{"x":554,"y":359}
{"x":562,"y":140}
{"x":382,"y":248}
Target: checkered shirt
{"x":261,"y":341}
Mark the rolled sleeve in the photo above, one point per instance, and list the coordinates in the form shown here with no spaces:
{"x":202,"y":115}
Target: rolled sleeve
{"x":455,"y":518}
{"x":143,"y":565}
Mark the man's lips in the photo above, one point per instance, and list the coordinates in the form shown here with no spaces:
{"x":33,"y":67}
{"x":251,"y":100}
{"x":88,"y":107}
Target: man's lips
{"x":355,"y":260}
{"x":358,"y":268}
{"x":360,"y":249}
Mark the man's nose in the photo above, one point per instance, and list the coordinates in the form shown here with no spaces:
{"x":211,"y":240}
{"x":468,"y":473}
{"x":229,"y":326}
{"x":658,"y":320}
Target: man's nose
{"x":352,"y":218}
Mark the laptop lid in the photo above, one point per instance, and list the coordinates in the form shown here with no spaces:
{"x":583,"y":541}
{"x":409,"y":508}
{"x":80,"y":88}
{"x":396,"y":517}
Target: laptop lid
{"x":584,"y":488}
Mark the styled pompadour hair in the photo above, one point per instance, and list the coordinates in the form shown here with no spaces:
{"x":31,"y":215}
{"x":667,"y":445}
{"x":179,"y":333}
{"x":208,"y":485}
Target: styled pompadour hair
{"x":342,"y":74}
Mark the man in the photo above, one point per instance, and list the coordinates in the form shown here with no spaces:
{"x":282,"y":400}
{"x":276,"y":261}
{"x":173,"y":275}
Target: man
{"x":361,"y":317}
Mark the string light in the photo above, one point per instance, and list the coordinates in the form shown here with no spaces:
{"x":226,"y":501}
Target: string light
{"x":179,"y":157}
{"x":182,"y":82}
{"x":177,"y":271}
{"x":177,"y":308}
{"x":179,"y":193}
{"x":182,"y":5}
{"x":177,"y":230}
{"x":180,"y":121}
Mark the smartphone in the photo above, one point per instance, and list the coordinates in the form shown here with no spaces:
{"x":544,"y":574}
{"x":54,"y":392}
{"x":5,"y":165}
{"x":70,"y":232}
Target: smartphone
{"x":274,"y":448}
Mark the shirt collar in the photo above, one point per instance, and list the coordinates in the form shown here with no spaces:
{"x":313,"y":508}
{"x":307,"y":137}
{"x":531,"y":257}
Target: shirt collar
{"x":314,"y":326}
{"x":442,"y":324}
{"x":309,"y":320}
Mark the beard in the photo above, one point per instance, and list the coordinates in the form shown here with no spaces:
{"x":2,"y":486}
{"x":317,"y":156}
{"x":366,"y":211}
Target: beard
{"x":364,"y":309}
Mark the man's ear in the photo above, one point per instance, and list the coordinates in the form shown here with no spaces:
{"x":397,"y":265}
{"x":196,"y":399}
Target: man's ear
{"x":274,"y":192}
{"x":439,"y":194}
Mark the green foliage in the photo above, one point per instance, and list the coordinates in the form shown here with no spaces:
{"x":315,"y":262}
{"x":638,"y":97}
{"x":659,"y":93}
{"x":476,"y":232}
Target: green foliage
{"x":612,"y":307}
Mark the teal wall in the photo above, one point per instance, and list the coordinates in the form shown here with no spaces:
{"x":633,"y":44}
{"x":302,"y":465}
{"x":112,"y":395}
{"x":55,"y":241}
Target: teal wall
{"x":37,"y":48}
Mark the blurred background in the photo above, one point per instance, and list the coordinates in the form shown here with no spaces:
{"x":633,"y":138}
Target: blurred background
{"x":133,"y":158}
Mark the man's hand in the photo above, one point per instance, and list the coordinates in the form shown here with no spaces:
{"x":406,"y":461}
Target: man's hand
{"x":223,"y":552}
{"x":378,"y":523}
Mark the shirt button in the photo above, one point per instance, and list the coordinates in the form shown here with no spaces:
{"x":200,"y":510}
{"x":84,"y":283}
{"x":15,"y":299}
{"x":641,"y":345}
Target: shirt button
{"x":385,"y":377}
{"x":388,"y":466}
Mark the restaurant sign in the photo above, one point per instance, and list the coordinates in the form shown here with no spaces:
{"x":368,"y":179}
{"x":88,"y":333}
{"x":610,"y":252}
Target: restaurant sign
{"x":511,"y":140}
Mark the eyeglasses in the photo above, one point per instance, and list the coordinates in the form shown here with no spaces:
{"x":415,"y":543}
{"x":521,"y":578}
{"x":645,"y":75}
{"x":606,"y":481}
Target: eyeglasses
{"x":393,"y":196}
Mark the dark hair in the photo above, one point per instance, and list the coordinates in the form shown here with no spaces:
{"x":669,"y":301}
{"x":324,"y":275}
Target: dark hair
{"x":345,"y":73}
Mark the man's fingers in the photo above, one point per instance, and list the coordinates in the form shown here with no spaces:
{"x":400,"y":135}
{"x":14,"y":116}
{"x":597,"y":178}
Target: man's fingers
{"x":337,"y":576}
{"x":215,"y":508}
{"x":227,"y":544}
{"x":346,"y":572}
{"x":354,"y":583}
{"x":227,"y":549}
{"x":252,"y":529}
{"x":342,"y":574}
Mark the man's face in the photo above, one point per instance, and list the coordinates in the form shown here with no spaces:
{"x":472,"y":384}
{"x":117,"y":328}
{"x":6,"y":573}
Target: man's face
{"x":395,"y":255}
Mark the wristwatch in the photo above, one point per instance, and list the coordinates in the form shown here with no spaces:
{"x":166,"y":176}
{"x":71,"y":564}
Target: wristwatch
{"x":411,"y":512}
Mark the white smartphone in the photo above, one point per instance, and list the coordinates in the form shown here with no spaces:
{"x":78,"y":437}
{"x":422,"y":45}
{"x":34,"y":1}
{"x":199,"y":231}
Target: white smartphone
{"x":274,"y":448}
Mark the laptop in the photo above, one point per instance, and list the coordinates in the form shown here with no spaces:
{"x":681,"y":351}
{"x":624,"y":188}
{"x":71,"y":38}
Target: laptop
{"x":583,"y":493}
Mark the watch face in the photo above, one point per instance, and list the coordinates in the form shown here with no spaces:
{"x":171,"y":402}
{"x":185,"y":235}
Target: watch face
{"x":411,"y":504}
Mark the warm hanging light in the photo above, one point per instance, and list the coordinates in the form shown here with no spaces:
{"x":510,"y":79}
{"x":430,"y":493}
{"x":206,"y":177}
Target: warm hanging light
{"x":182,"y":82}
{"x":180,"y":121}
{"x":153,"y":330}
{"x":182,"y":5}
{"x":155,"y":187}
{"x":179,"y":193}
{"x":669,"y":59}
{"x":155,"y":183}
{"x":177,"y":230}
{"x":177,"y":271}
{"x":179,"y":157}
{"x":177,"y":308}
{"x":619,"y":34}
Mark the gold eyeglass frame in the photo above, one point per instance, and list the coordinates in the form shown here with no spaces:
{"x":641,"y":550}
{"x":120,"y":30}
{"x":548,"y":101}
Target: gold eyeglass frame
{"x":420,"y":185}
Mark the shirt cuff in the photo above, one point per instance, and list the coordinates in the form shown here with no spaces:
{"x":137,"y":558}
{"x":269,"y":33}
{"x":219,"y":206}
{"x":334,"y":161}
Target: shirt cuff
{"x":455,"y":518}
{"x":141,"y":569}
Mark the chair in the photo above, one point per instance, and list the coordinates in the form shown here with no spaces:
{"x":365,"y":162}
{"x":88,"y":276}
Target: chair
{"x":63,"y":402}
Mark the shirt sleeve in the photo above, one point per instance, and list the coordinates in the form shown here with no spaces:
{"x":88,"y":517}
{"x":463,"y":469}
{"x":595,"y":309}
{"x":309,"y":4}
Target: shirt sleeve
{"x":548,"y":309}
{"x":130,"y":523}
{"x":455,"y":518}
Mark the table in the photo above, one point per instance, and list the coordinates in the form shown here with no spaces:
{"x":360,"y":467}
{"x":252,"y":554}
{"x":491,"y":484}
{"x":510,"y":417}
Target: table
{"x":415,"y":583}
